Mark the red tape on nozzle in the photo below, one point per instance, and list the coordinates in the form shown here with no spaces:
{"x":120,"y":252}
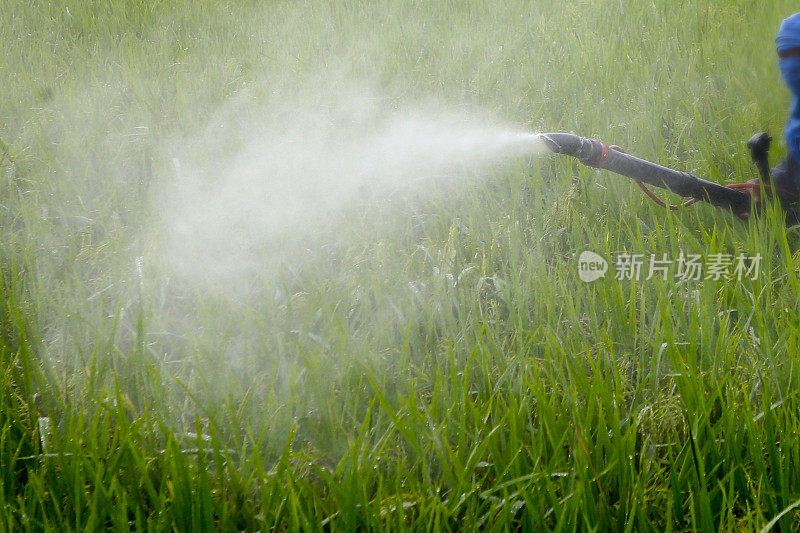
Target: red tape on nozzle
{"x":603,"y":155}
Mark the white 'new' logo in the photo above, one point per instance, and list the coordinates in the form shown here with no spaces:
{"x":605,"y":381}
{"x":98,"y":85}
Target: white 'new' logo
{"x":591,"y":266}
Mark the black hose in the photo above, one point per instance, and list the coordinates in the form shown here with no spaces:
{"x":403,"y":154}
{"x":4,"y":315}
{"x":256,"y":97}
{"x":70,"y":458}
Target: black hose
{"x":596,"y":154}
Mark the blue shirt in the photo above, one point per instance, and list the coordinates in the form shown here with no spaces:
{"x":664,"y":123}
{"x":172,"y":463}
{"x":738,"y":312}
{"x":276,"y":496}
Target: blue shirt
{"x":790,"y":69}
{"x":788,"y":38}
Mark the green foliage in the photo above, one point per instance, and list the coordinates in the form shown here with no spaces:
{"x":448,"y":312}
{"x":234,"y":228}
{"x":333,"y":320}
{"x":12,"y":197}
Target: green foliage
{"x":439,"y":365}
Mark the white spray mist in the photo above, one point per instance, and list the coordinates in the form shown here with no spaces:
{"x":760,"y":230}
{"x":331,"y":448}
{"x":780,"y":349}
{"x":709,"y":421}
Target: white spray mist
{"x":263,"y":174}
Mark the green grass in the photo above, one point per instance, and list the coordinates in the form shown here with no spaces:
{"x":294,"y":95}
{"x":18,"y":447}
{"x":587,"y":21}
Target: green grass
{"x":366,"y":388}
